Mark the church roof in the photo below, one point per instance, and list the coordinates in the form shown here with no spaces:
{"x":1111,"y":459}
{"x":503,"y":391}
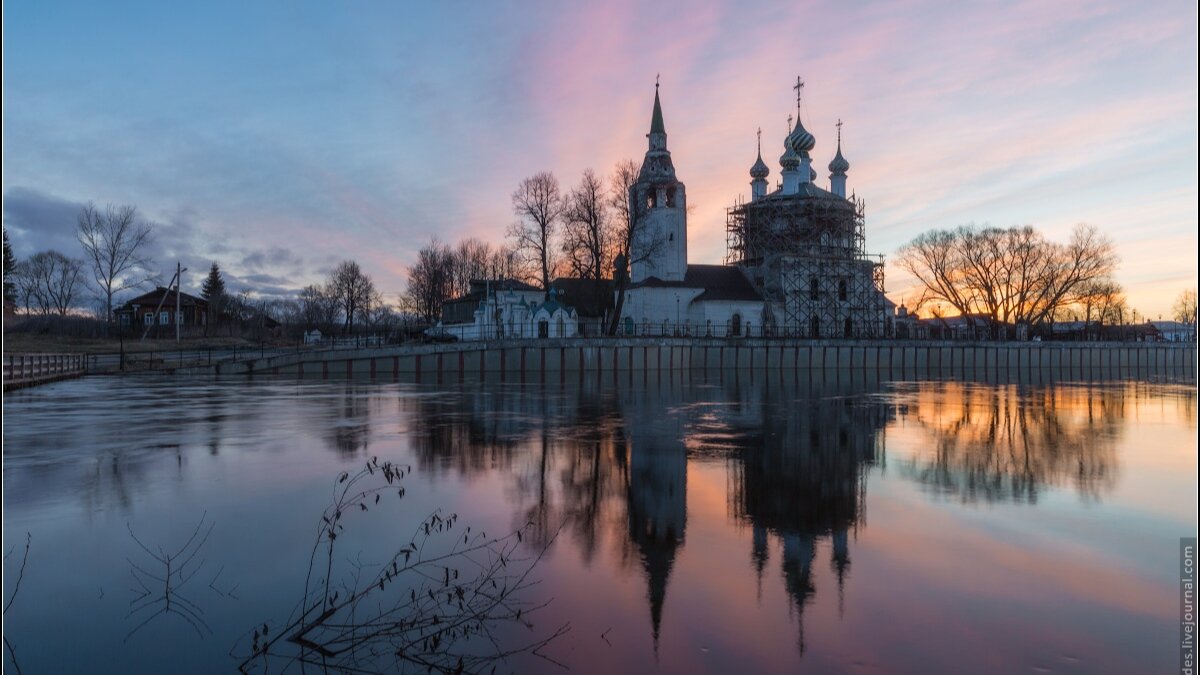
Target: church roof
{"x":656,"y":121}
{"x":805,"y":190}
{"x":720,"y":282}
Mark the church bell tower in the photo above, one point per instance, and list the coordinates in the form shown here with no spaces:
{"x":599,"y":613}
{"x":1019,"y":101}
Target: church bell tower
{"x":658,"y":203}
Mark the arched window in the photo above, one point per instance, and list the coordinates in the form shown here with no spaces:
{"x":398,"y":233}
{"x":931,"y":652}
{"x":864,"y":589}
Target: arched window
{"x":562,"y":331}
{"x":735,"y":324}
{"x":842,"y":290}
{"x":814,"y":327}
{"x":543,"y":328}
{"x":814,"y":289}
{"x":849,"y":328}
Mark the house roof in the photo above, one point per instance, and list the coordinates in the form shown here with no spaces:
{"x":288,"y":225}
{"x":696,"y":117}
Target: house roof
{"x":720,"y":282}
{"x":588,"y":297}
{"x":156,"y":295}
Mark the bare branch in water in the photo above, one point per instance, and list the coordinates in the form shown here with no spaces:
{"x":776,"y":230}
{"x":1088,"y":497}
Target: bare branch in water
{"x":436,"y":604}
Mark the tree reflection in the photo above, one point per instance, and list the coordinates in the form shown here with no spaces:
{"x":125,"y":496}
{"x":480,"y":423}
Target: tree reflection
{"x":1007,"y":443}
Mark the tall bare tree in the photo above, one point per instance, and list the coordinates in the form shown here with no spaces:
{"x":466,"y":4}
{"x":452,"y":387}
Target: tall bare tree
{"x":353,"y":289}
{"x":430,"y":281}
{"x":588,"y":238}
{"x":538,"y":205}
{"x":114,"y":242}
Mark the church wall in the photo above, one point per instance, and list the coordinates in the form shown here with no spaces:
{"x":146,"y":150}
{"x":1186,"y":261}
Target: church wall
{"x":655,"y":310}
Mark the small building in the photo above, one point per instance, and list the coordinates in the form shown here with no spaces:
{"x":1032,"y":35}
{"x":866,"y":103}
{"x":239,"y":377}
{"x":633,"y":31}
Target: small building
{"x":1175,"y":331}
{"x":156,"y":309}
{"x":592,"y":300}
{"x":505,"y":308}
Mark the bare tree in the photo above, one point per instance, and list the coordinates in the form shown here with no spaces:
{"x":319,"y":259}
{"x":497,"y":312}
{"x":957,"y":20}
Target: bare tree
{"x":588,"y":235}
{"x":1101,"y":302}
{"x":25,"y":286}
{"x":1184,"y":309}
{"x":430,"y":281}
{"x":317,"y":308}
{"x":1008,"y":275}
{"x":114,"y":242}
{"x":538,"y":205}
{"x":632,"y":243}
{"x":352,"y":288}
{"x":470,"y":260}
{"x":48,"y":282}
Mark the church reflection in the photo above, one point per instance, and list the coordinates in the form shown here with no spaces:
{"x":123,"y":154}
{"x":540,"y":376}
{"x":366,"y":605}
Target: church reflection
{"x":609,"y":464}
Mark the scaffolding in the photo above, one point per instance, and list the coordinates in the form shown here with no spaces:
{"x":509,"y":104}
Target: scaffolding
{"x":806,"y":254}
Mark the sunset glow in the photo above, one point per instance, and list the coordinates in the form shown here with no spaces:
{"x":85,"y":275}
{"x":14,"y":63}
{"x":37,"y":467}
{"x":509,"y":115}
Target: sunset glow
{"x":278,"y":139}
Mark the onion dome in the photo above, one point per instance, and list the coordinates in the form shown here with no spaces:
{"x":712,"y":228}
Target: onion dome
{"x":812,"y":174}
{"x":759,"y":170}
{"x":839,"y":166}
{"x":789,"y":160}
{"x":800,"y":140}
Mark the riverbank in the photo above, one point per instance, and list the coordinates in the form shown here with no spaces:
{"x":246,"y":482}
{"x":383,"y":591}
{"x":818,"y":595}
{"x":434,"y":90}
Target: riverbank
{"x":548,"y":359}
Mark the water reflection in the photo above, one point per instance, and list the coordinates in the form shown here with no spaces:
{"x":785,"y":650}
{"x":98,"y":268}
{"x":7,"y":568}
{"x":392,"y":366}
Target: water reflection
{"x":1010,"y":443}
{"x":602,"y":469}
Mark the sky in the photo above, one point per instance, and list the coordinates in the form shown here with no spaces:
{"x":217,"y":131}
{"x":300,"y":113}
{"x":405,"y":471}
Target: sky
{"x":279,"y":138}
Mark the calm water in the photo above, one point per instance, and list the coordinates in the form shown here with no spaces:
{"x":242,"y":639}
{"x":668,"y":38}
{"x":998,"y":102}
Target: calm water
{"x":718,"y":524}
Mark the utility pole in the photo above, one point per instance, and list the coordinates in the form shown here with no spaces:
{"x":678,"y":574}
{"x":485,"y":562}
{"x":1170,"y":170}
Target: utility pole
{"x":178,"y":302}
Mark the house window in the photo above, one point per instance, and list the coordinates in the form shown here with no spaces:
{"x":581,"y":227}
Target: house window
{"x":124,"y":319}
{"x":148,"y":318}
{"x":842,"y":290}
{"x":164,"y":318}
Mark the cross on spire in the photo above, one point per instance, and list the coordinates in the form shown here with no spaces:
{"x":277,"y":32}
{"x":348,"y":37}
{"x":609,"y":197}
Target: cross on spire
{"x":789,"y":124}
{"x":839,"y":126}
{"x":760,"y":140}
{"x":656,"y":76}
{"x":799,"y":86}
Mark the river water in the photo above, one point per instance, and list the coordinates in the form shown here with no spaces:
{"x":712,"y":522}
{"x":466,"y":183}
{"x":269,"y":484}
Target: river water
{"x":691,"y":523}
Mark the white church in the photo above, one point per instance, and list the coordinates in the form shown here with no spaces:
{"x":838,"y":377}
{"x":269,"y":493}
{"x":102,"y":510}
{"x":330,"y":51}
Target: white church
{"x":796,"y":259}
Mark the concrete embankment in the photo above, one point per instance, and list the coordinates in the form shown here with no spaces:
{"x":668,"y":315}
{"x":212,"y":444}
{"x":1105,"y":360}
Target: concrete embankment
{"x":547,"y":360}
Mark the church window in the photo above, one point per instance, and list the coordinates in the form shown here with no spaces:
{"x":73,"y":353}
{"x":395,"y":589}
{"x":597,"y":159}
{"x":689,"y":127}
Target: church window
{"x":814,"y":289}
{"x":814,"y":327}
{"x":842,"y":290}
{"x":670,"y":197}
{"x":849,"y":328}
{"x":671,"y":237}
{"x":735,"y":327}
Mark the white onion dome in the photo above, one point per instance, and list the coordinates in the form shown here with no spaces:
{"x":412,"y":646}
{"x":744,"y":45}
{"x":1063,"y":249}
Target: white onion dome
{"x":800,"y":140}
{"x":759,"y":170}
{"x":839,"y":165}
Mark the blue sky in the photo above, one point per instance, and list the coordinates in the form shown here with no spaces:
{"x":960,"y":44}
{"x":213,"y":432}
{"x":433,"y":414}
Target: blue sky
{"x":280,"y":138}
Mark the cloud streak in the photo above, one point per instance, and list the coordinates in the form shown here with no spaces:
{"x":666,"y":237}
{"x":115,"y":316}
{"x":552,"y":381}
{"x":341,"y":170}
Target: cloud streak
{"x":279,"y":142}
